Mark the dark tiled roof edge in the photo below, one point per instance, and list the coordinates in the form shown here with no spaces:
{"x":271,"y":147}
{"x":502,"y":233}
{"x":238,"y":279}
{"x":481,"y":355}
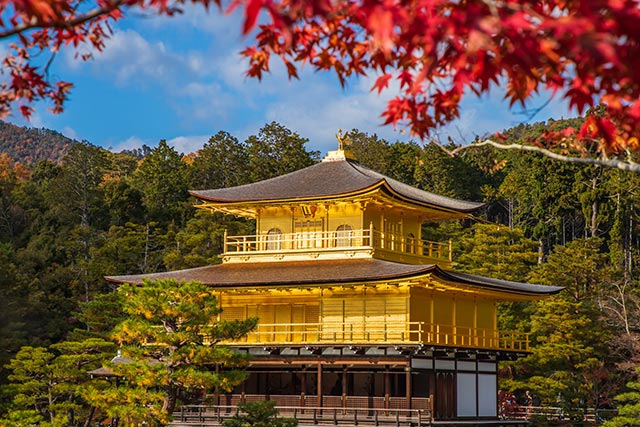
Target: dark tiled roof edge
{"x":339,"y":178}
{"x":498,"y":284}
{"x":328,"y":272}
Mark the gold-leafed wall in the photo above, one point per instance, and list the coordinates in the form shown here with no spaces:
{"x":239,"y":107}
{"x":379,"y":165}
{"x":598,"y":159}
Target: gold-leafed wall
{"x":453,"y":318}
{"x":365,"y":313}
{"x":270,"y":218}
{"x":286,"y":218}
{"x":284,"y":316}
{"x":341,"y":214}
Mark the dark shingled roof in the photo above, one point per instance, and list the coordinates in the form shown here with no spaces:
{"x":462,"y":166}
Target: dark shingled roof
{"x":319,"y":272}
{"x":330,"y":179}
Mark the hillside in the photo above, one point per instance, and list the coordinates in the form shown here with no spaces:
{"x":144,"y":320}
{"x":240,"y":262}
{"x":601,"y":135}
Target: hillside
{"x":30,"y":145}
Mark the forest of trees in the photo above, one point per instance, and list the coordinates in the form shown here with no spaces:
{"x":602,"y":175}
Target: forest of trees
{"x":63,"y":227}
{"x":29,"y":145}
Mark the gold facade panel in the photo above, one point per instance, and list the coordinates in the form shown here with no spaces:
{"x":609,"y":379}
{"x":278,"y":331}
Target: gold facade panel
{"x":486,"y":314}
{"x":465,"y":312}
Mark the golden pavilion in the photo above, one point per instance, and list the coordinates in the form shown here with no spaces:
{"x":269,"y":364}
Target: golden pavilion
{"x":355,"y":309}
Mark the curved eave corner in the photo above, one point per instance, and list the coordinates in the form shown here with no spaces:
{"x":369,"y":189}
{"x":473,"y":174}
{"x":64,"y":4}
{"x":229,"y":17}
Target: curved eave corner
{"x":518,"y":288}
{"x":123,"y":279}
{"x":460,"y":212}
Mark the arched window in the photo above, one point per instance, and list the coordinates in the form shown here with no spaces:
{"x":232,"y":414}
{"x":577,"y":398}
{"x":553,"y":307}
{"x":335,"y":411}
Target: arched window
{"x":344,"y":234}
{"x":410,"y":244}
{"x":274,"y":239}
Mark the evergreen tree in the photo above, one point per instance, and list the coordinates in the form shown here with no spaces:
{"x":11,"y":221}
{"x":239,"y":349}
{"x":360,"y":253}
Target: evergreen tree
{"x":161,"y":179}
{"x":455,"y":177}
{"x":369,"y":150}
{"x":496,"y":251}
{"x":99,"y":317}
{"x":276,"y":151}
{"x":47,"y":383}
{"x":404,"y":160}
{"x":132,"y":249}
{"x":221,"y":162}
{"x":201,"y":241}
{"x":172,"y":336}
{"x":259,"y":414}
{"x":569,"y":364}
{"x":628,"y":408}
{"x":503,"y":253}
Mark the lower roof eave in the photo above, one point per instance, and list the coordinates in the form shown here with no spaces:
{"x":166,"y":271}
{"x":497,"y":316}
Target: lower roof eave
{"x":317,"y":273}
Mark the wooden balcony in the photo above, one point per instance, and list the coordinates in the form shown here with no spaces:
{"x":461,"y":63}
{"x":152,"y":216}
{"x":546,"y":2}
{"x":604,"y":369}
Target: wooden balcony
{"x":369,"y":333}
{"x":331,"y":243}
{"x":311,"y":410}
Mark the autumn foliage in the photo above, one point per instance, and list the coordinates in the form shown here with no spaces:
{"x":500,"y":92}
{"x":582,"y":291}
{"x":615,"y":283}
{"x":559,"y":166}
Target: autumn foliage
{"x":438,"y":51}
{"x":433,"y":52}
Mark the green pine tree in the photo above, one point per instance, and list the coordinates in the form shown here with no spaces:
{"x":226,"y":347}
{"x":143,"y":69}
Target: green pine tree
{"x":172,"y":336}
{"x":259,"y":414}
{"x":628,"y":407}
{"x":275,"y":151}
{"x":47,"y":383}
{"x":569,"y":364}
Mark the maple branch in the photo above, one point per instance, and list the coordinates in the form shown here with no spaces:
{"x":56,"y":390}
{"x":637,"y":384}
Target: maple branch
{"x":48,"y":65}
{"x":95,"y":13}
{"x":625,"y":165}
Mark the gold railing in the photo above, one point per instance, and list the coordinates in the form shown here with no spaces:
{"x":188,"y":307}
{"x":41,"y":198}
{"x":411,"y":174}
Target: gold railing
{"x":332,"y":240}
{"x":385,"y":333}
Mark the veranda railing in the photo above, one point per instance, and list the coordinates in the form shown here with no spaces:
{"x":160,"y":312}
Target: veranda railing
{"x":332,"y":240}
{"x":367,"y":333}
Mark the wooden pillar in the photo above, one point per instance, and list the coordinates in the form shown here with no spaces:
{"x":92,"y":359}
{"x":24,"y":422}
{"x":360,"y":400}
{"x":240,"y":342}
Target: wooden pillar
{"x":243,"y":387}
{"x":431,"y":406}
{"x":258,"y":225}
{"x":320,"y":384}
{"x":217,"y":389}
{"x":407,"y":371}
{"x":387,"y":387}
{"x":267,"y":385}
{"x":344,"y":386}
{"x":303,"y":387}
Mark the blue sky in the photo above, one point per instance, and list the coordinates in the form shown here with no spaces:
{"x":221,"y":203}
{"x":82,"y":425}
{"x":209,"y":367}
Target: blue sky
{"x":182,"y":79}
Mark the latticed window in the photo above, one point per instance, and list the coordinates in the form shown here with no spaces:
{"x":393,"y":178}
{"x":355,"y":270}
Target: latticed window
{"x":344,"y":235}
{"x":274,"y":239}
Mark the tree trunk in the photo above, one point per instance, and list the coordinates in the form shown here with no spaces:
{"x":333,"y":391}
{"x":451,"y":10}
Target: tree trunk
{"x":87,"y":421}
{"x":594,"y":210}
{"x":540,"y":252}
{"x":170,"y":400}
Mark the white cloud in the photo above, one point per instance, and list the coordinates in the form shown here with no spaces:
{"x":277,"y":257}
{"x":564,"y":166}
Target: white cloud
{"x":130,"y":143}
{"x":188,"y":144}
{"x":225,"y":28}
{"x":182,"y":144}
{"x":191,"y":62}
{"x":130,"y":58}
{"x":69,"y":132}
{"x":317,"y":107}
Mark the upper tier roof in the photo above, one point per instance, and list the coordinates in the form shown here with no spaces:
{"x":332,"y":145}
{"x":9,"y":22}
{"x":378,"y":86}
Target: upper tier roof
{"x":330,"y":179}
{"x":334,"y":272}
